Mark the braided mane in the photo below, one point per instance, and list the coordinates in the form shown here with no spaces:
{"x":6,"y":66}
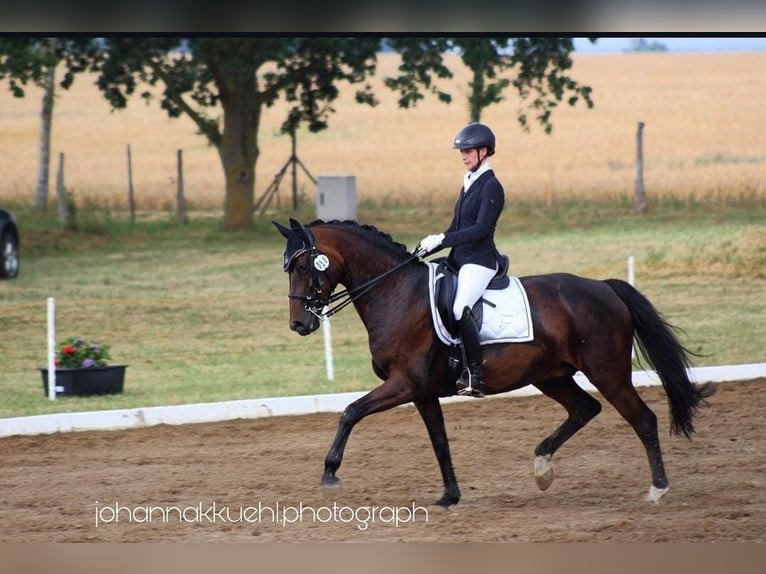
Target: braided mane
{"x":381,"y":237}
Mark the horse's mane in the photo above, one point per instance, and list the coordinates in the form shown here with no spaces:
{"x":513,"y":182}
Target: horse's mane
{"x":382,"y":238}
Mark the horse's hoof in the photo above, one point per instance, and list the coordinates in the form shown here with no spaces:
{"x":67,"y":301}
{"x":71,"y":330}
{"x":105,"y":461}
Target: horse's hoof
{"x":655,"y":494}
{"x":446,"y":502}
{"x":543,"y":472}
{"x":330,"y":482}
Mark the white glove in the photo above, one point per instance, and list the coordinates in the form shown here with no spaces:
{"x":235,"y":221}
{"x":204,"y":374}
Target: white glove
{"x":429,"y":244}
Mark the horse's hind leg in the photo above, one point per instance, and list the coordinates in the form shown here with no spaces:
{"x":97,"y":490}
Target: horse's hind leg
{"x":580,"y":407}
{"x":619,"y":391}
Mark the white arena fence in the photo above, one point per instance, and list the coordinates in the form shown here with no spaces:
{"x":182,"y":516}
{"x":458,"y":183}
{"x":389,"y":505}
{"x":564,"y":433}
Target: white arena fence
{"x":118,"y":419}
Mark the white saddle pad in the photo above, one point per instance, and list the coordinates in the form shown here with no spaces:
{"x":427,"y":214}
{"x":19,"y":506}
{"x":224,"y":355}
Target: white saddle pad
{"x":509,"y":321}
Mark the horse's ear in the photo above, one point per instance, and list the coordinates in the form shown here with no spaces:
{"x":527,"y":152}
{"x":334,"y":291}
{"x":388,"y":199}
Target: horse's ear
{"x":282,"y":229}
{"x":295,"y":225}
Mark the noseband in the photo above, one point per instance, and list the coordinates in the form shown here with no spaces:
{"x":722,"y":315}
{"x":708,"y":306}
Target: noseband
{"x":314,"y":303}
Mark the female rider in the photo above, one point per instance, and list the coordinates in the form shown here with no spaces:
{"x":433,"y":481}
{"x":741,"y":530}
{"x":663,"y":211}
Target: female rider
{"x":471,"y":238}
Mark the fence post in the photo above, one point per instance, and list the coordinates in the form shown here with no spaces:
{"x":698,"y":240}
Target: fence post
{"x":639,"y":183}
{"x":65,"y":202}
{"x":131,"y":197}
{"x":632,"y":281}
{"x":328,"y":347}
{"x":51,"y":348}
{"x":180,"y":204}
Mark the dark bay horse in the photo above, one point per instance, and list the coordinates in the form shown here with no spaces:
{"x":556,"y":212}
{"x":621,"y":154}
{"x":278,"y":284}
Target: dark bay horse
{"x":579,"y":324}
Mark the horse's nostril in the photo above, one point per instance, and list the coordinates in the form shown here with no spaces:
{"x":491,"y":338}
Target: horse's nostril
{"x":296,"y":325}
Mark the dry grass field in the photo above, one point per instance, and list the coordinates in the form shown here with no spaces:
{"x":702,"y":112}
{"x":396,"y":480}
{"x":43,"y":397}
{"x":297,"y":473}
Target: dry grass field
{"x":704,"y":140}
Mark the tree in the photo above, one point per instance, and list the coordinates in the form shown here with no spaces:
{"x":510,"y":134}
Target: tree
{"x":540,"y":65}
{"x":34,"y":60}
{"x":242,"y":75}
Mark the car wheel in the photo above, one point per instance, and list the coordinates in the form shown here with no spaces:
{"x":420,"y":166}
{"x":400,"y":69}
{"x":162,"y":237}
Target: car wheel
{"x":9,"y":256}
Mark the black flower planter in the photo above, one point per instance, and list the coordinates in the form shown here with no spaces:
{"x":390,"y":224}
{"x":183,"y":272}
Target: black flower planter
{"x":92,"y":381}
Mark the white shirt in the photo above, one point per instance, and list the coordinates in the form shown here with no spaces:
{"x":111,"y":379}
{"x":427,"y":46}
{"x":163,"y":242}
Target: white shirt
{"x":472,"y":176}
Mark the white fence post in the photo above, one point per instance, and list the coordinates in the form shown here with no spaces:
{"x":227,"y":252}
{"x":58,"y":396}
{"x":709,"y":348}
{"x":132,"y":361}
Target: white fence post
{"x":328,"y":347}
{"x":632,"y":280}
{"x":51,"y":349}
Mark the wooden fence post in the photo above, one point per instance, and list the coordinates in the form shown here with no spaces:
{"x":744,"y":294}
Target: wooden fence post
{"x":180,"y":207}
{"x":639,"y":183}
{"x":131,"y":197}
{"x":66,"y":220}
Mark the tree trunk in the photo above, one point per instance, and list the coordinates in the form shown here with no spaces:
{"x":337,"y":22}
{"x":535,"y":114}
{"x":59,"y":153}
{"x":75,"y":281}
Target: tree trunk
{"x":239,"y":152}
{"x":475,"y":97}
{"x":239,"y":170}
{"x":43,"y":169}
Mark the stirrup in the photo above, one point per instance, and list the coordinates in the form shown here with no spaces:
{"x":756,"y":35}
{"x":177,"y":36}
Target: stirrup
{"x":465,"y":387}
{"x":471,"y":392}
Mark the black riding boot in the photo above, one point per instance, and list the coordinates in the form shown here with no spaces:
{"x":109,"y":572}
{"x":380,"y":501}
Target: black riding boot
{"x":471,"y":382}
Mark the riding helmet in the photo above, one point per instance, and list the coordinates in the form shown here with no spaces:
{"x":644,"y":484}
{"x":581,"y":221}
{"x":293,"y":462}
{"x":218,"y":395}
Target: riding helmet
{"x":475,"y":135}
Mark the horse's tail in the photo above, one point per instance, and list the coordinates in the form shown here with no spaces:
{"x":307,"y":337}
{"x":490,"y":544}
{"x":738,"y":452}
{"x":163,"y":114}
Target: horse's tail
{"x":670,"y":359}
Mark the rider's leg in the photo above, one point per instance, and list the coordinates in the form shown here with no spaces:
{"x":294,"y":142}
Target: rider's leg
{"x":472,"y":282}
{"x":471,"y":383}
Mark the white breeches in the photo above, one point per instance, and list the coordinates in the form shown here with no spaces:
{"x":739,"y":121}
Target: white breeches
{"x":472,"y":281}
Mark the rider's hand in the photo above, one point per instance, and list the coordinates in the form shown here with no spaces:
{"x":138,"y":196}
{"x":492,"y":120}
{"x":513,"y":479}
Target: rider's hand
{"x":429,"y":244}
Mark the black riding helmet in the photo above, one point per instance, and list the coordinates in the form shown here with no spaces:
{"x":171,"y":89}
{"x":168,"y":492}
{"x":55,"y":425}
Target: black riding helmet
{"x":475,"y":135}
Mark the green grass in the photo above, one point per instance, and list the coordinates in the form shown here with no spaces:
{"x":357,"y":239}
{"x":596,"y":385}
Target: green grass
{"x":200,"y":314}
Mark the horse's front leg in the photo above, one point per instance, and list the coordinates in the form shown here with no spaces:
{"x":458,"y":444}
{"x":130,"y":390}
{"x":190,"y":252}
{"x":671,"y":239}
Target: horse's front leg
{"x":431,"y":411}
{"x":397,"y":390}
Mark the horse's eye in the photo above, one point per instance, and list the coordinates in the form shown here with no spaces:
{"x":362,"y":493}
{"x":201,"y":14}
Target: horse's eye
{"x":303,"y":268}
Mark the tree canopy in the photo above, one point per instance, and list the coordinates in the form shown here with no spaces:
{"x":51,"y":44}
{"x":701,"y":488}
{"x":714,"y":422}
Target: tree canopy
{"x":25,"y":60}
{"x":202,"y":76}
{"x":535,"y":67}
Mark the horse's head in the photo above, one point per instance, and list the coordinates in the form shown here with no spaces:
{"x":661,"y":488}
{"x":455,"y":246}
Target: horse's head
{"x":313,"y":274}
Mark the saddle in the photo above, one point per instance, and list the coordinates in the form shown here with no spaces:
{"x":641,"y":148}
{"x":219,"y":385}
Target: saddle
{"x":506,"y":319}
{"x":446,"y":289}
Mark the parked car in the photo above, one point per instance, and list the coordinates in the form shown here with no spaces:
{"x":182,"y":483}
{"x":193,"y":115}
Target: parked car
{"x":9,"y":245}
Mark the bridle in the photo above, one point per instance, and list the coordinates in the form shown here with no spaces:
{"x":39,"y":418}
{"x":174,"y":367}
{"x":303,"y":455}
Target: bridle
{"x":314,"y":302}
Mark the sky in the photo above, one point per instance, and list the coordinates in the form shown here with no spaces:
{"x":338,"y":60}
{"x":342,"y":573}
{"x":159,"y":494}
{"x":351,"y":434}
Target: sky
{"x":685,"y":44}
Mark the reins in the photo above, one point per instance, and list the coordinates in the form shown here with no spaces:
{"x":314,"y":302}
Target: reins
{"x":350,"y":295}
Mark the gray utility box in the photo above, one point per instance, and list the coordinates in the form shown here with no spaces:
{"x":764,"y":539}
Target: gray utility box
{"x":336,"y":197}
